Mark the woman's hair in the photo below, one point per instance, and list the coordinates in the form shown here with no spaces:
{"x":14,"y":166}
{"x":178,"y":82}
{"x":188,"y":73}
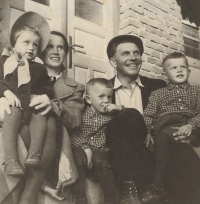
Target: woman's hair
{"x":20,"y":30}
{"x":66,"y":46}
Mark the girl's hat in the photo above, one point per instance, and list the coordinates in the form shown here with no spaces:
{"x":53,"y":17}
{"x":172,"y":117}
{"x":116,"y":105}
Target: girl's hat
{"x":34,"y":20}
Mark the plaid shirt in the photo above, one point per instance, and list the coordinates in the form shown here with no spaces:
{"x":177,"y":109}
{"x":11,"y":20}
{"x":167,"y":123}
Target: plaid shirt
{"x":92,"y":131}
{"x":174,"y":99}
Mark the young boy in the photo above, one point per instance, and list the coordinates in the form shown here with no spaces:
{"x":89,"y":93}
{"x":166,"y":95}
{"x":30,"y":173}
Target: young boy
{"x":22,"y":79}
{"x":89,"y":144}
{"x":174,"y":107}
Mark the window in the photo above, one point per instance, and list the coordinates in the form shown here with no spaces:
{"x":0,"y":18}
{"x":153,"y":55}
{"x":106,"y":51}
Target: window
{"x":191,"y":39}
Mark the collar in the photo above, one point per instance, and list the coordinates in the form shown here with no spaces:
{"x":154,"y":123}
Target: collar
{"x":57,"y":76}
{"x":118,"y":84}
{"x":182,"y":86}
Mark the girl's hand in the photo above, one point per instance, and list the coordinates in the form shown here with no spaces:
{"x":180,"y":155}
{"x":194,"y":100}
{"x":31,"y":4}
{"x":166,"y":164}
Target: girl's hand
{"x":12,"y":99}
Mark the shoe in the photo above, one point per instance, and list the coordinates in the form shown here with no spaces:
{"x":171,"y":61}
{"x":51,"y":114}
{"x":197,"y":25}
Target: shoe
{"x":129,"y":195}
{"x":152,"y":194}
{"x":34,"y":161}
{"x":12,"y":168}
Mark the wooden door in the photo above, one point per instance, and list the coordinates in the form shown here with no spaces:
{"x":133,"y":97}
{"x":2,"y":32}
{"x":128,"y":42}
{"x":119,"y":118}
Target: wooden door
{"x":91,"y":25}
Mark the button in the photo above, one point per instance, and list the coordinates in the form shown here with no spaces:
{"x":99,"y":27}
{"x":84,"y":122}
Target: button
{"x":92,"y":138}
{"x":179,"y":99}
{"x":181,"y":107}
{"x":178,"y":91}
{"x":95,"y":121}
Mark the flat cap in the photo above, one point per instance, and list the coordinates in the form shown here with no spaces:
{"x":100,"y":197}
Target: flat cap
{"x":124,"y":38}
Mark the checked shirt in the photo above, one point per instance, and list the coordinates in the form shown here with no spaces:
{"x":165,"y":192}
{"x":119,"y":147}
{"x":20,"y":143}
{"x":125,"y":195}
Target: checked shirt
{"x":174,"y":99}
{"x":92,"y":131}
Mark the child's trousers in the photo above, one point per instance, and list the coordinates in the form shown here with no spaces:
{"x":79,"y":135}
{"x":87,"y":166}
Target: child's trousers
{"x":101,"y":168}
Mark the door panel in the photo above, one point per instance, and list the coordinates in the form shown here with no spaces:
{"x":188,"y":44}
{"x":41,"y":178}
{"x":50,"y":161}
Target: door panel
{"x":90,"y":26}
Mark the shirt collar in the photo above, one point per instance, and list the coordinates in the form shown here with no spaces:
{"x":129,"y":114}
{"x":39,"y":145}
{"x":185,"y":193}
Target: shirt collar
{"x":57,"y":76}
{"x":118,"y":84}
{"x":183,"y":86}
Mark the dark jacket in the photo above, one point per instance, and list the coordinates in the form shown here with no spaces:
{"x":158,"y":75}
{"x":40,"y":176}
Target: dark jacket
{"x":149,"y":86}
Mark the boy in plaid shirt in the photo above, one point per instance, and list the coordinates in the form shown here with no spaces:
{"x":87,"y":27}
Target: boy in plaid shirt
{"x":175,"y":107}
{"x":89,"y":144}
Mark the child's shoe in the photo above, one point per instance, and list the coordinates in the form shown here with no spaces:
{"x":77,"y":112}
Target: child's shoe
{"x":12,"y":168}
{"x":33,"y":161}
{"x":152,"y":194}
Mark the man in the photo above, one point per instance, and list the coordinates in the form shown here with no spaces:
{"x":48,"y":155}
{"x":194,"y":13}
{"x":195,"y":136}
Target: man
{"x":132,"y":162}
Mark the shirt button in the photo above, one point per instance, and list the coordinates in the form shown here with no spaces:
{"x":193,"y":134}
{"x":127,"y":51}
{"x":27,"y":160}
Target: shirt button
{"x":181,"y":107}
{"x":178,"y":91}
{"x":179,"y":99}
{"x":95,"y":121}
{"x":92,"y":138}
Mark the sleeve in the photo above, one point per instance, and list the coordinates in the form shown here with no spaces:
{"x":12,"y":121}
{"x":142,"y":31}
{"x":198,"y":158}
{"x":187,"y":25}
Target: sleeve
{"x":195,"y":121}
{"x":44,"y":84}
{"x":69,"y":110}
{"x":3,"y":85}
{"x":151,"y":111}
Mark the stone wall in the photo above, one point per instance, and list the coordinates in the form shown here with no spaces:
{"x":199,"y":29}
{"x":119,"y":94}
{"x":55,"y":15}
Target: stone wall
{"x":159,"y":25}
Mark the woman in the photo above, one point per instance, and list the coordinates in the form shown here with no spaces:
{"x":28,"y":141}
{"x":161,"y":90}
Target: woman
{"x":67,"y":107}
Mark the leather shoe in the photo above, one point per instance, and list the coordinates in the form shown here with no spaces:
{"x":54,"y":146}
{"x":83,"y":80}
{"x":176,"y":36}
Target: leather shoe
{"x":152,"y":194}
{"x":129,"y":194}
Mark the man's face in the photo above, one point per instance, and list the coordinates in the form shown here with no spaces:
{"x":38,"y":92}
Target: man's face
{"x":99,"y":96}
{"x":28,"y":44}
{"x":176,"y":70}
{"x":54,"y":54}
{"x":127,"y":60}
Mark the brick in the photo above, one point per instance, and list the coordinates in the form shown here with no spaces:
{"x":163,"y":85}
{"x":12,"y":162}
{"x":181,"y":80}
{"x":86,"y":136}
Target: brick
{"x":180,"y":34}
{"x":176,"y":14}
{"x":150,"y":29}
{"x":151,"y":8}
{"x":163,"y":55}
{"x":128,"y":30}
{"x":156,"y":69}
{"x":158,"y":47}
{"x":149,"y":14}
{"x":131,"y":21}
{"x":165,"y":8}
{"x":143,"y":19}
{"x":155,"y":38}
{"x":139,"y":3}
{"x":172,"y":32}
{"x":167,"y":36}
{"x":176,"y":26}
{"x":146,"y":67}
{"x":155,"y":53}
{"x":153,"y":60}
{"x":143,"y":34}
{"x":159,"y":33}
{"x":128,"y":13}
{"x":147,"y":51}
{"x":178,"y":40}
{"x":153,"y":23}
{"x":136,"y":8}
{"x":164,"y":42}
{"x":148,"y":43}
{"x":173,"y":46}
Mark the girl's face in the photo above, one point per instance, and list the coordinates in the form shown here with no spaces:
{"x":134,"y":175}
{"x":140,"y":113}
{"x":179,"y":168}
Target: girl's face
{"x":54,"y":54}
{"x":28,"y":44}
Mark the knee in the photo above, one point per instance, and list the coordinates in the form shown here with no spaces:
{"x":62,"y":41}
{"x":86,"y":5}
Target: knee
{"x":102,"y":164}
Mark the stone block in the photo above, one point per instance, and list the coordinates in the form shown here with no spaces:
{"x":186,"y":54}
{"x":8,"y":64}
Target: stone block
{"x":154,"y":61}
{"x":127,"y":14}
{"x":146,"y":66}
{"x":164,"y":42}
{"x":143,"y":19}
{"x":155,"y":38}
{"x":136,"y":8}
{"x":173,"y":46}
{"x":155,"y":54}
{"x":156,"y":69}
{"x":143,"y":34}
{"x":167,"y":36}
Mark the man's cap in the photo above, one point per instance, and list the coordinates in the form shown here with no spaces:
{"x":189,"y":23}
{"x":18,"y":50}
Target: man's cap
{"x":125,"y":38}
{"x":34,"y":20}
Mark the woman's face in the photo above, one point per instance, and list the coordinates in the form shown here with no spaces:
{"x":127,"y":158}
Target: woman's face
{"x":54,"y":54}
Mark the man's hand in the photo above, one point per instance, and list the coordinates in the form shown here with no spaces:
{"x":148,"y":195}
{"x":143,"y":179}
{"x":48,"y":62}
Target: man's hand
{"x":148,"y":140}
{"x":12,"y":99}
{"x":88,"y":152}
{"x":110,"y":107}
{"x":4,"y":106}
{"x":185,"y":130}
{"x":42,"y":101}
{"x":181,"y":138}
